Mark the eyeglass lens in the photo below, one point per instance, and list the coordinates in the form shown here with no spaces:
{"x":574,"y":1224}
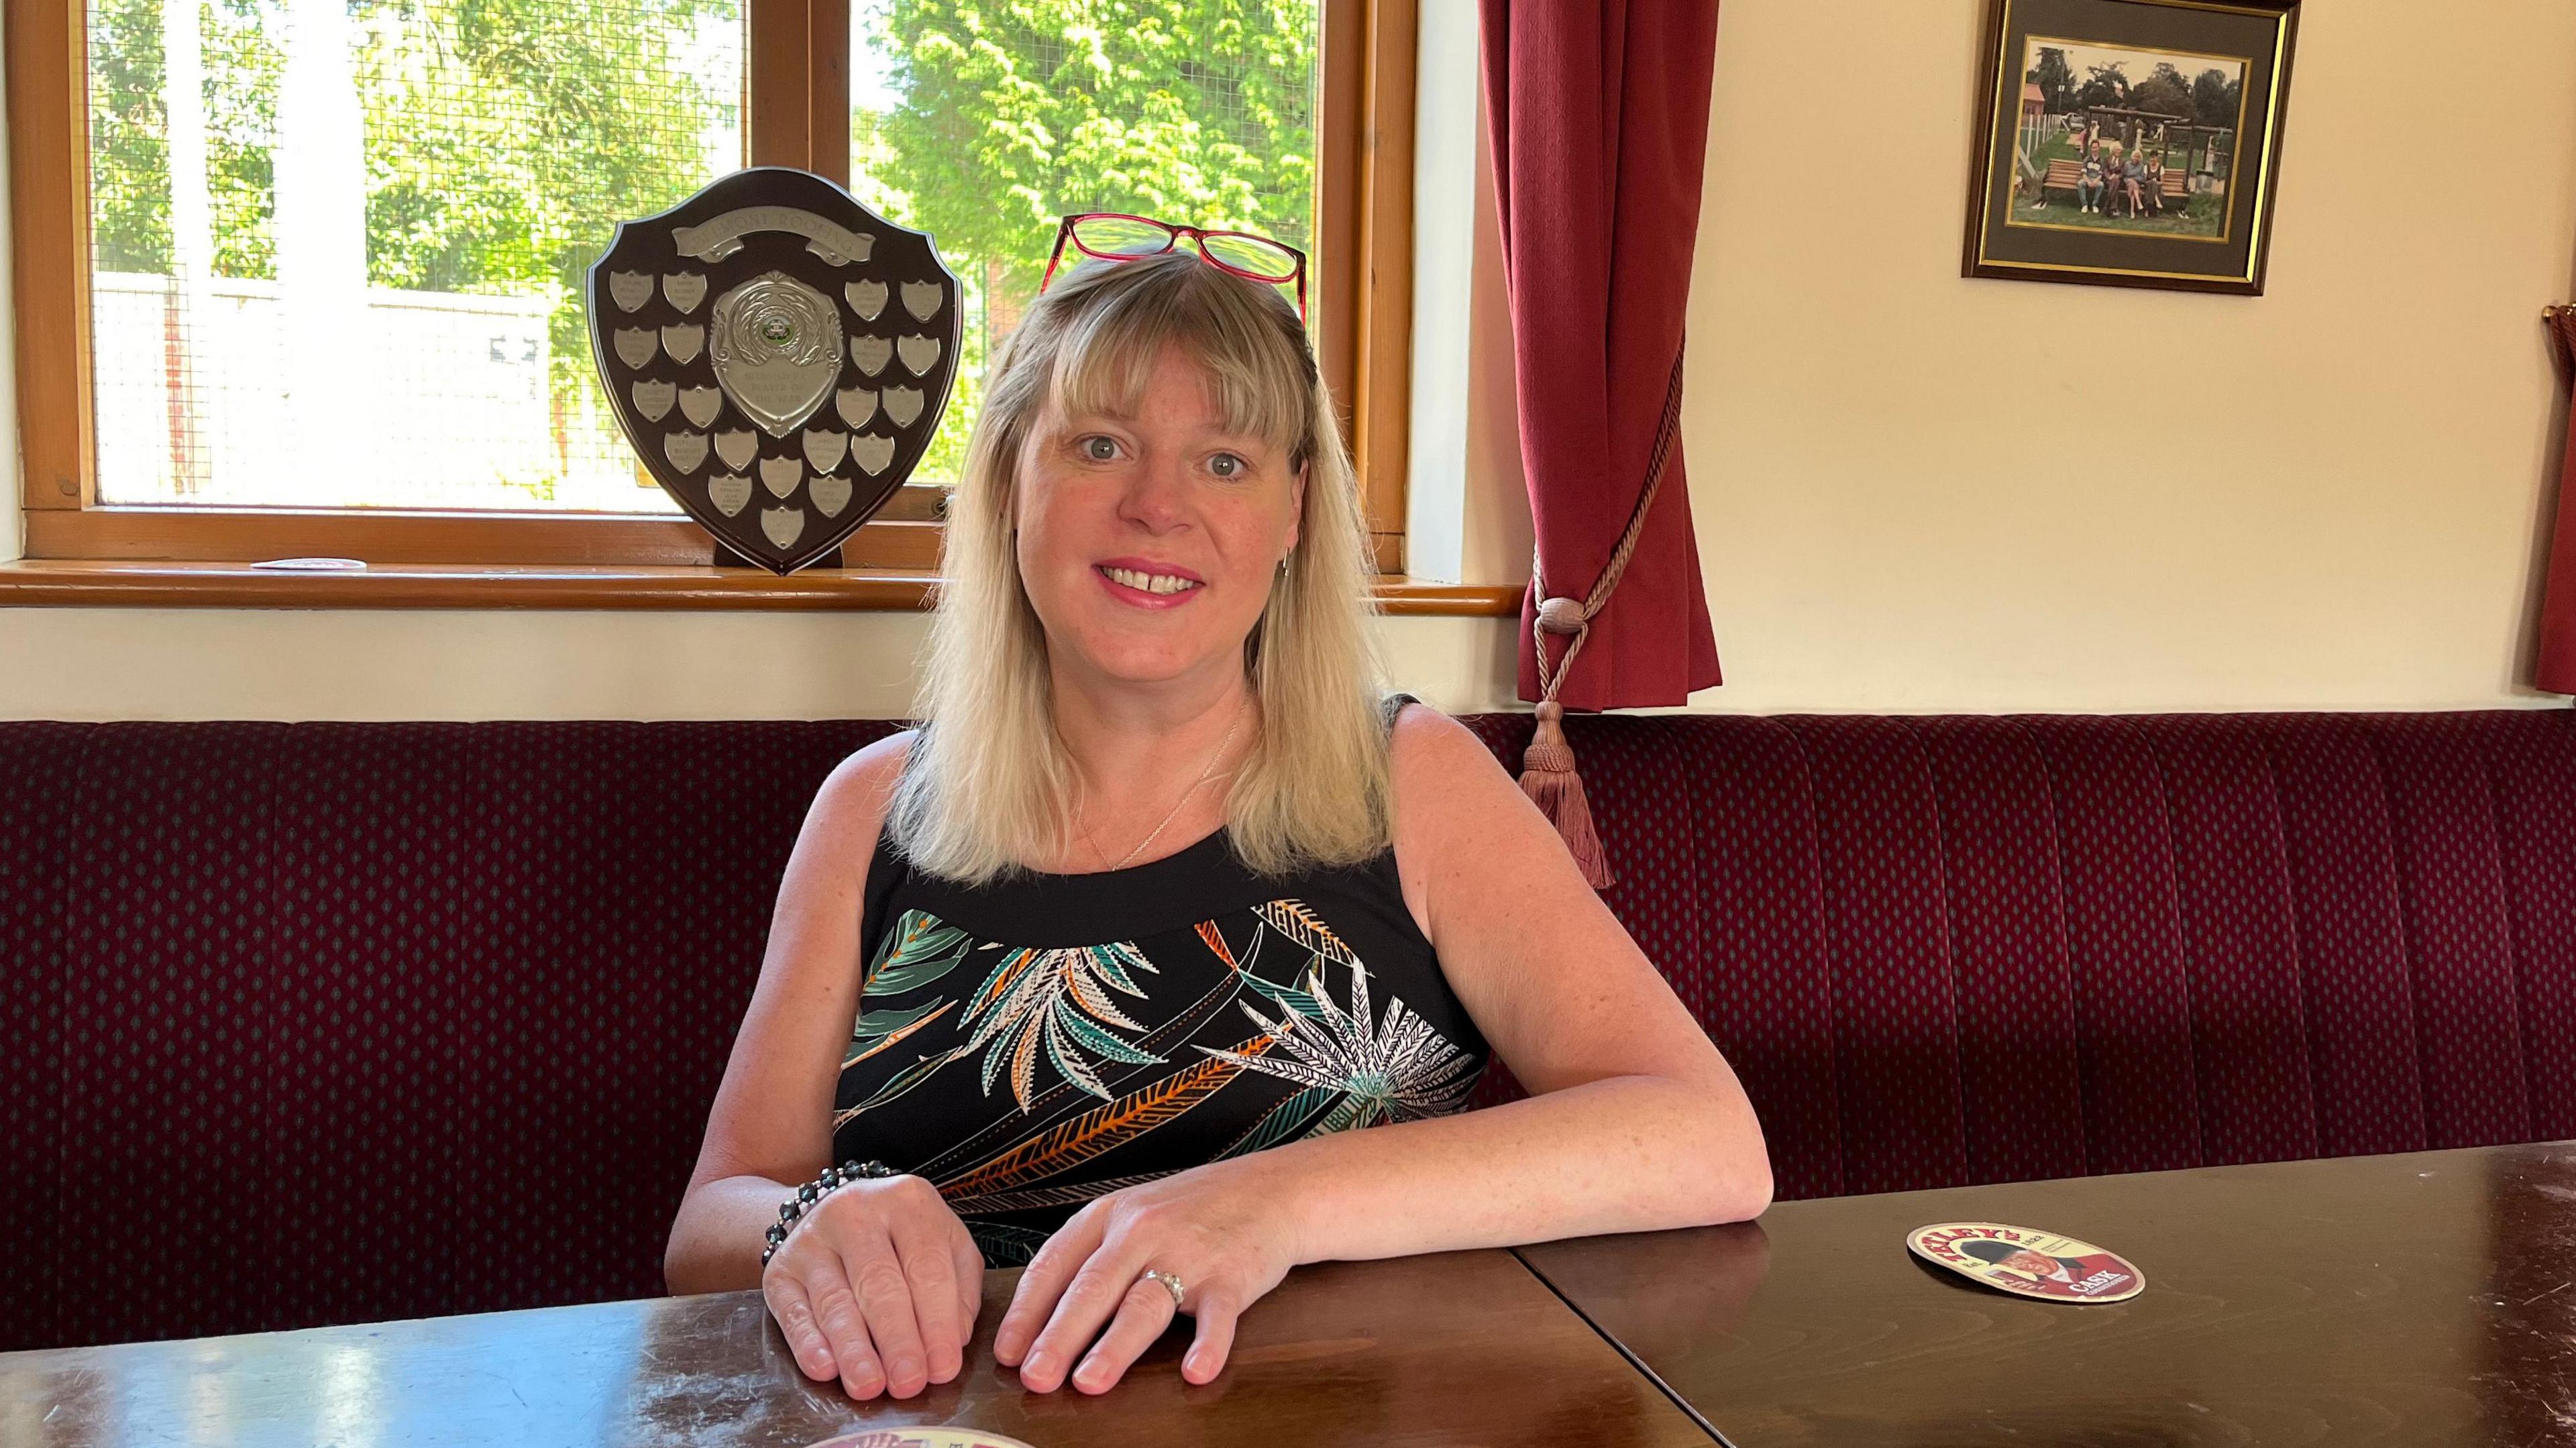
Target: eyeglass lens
{"x":1120,"y":236}
{"x":1252,"y":255}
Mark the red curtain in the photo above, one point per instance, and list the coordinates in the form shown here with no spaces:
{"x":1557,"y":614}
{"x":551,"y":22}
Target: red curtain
{"x":1599,"y":116}
{"x":2557,"y":668}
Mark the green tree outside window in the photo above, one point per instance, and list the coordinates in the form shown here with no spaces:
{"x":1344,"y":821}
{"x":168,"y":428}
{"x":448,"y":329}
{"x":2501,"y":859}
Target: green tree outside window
{"x":505,"y":138}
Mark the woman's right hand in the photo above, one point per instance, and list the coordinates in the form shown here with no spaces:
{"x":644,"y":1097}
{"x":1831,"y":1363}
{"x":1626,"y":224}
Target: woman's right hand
{"x":878,"y":1286}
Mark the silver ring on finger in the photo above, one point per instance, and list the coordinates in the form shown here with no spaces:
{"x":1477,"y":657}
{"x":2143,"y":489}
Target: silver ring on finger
{"x":1171,"y":1284}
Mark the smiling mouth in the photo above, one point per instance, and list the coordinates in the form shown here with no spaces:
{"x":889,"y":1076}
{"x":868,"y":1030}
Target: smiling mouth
{"x":1143,"y":582}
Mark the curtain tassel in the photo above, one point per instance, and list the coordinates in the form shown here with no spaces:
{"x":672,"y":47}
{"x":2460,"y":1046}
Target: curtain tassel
{"x":1549,"y":779}
{"x":1547,"y":767}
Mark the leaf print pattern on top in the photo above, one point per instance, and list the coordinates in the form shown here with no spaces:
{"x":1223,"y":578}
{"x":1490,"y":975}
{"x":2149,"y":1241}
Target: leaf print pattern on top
{"x":1130,"y":1060}
{"x":1039,"y":997}
{"x":1100,"y":1129}
{"x":1294,"y":920}
{"x":919,"y":951}
{"x":1398,"y":1069}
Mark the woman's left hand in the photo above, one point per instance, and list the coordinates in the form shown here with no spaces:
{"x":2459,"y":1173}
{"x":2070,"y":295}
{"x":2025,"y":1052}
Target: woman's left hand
{"x":1218,"y":1228}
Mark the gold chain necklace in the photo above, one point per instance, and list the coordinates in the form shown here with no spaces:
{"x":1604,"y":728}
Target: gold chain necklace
{"x":1204,"y":773}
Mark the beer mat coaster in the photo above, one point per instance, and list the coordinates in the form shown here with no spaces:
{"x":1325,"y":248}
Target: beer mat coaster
{"x":918,"y":1439}
{"x":2028,"y":1263}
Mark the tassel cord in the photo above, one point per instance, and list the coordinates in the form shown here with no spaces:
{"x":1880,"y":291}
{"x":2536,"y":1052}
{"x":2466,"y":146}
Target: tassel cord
{"x":1548,"y":774}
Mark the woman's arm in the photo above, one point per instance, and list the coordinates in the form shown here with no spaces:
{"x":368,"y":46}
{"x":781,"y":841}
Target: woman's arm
{"x":1634,"y":1123}
{"x":879,"y":1284}
{"x":770,"y":1126}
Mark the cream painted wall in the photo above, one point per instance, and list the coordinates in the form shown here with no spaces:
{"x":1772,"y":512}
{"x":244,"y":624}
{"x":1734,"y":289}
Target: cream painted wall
{"x":1906,"y":500}
{"x":1887,"y":521}
{"x":359,"y":664}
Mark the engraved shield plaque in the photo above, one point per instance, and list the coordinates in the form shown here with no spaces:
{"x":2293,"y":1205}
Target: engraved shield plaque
{"x":777,"y":350}
{"x":740,"y":333}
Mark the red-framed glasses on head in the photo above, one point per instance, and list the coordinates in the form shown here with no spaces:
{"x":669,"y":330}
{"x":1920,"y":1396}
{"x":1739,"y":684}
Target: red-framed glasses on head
{"x":1116,"y":236}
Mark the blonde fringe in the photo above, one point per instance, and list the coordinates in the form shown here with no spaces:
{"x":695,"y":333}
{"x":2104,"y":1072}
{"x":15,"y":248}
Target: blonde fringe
{"x":988,"y":785}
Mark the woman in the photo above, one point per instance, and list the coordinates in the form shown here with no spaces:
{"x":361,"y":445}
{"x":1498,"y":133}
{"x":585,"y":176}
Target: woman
{"x":1160,"y":901}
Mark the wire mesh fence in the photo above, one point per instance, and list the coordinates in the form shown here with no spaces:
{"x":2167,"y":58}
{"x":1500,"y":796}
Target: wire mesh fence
{"x":337,"y":248}
{"x":338,"y":245}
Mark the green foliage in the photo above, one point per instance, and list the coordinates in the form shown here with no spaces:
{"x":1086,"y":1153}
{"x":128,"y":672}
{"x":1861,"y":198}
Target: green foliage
{"x":872,"y":161}
{"x":2165,"y":93}
{"x":242,"y":69}
{"x":2214,"y":97}
{"x":1015,"y":112}
{"x":2055,"y":79}
{"x":129,"y":159}
{"x":505,"y":138}
{"x":2104,"y":85}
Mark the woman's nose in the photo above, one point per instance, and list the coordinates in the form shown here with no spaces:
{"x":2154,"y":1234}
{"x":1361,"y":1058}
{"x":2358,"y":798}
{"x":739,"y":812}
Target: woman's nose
{"x":1155,"y":495}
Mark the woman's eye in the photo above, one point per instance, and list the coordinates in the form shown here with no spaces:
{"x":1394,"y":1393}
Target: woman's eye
{"x":1227,"y":465}
{"x":1099,"y":449}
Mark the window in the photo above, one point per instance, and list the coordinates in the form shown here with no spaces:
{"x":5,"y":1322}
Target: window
{"x":336,"y":252}
{"x":1196,"y":112}
{"x":317,"y":287}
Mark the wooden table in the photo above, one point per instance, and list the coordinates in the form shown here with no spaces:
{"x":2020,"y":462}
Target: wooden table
{"x":2419,"y":1299}
{"x":1462,"y":1348}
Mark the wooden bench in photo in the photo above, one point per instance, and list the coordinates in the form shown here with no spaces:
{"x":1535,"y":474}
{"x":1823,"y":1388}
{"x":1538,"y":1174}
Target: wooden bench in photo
{"x":2064,"y":175}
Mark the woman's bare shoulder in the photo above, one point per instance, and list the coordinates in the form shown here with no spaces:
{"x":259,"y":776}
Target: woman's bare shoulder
{"x":1447,"y":784}
{"x":1457,"y":802}
{"x":1430,"y":751}
{"x":851,"y":804}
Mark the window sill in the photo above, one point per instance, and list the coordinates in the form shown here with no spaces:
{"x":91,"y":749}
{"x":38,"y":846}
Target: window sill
{"x":120,"y":583}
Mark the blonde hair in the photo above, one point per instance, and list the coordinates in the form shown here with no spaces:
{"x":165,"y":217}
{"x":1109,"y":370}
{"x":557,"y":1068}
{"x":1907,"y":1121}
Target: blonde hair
{"x":988,"y":780}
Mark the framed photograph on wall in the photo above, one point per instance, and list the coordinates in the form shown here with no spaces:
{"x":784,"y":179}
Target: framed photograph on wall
{"x":2131,"y":143}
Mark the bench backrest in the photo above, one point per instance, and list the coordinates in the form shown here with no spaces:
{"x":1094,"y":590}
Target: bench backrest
{"x":335,"y":1022}
{"x":1970,"y":949}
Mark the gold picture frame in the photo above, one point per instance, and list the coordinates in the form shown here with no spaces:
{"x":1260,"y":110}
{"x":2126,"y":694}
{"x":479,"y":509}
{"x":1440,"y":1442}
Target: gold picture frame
{"x":2132,"y":143}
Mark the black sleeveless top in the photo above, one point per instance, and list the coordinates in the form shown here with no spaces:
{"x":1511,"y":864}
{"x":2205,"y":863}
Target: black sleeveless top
{"x":1036,"y":1043}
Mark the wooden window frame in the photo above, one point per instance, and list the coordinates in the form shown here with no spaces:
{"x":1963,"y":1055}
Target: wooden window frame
{"x":796,"y":113}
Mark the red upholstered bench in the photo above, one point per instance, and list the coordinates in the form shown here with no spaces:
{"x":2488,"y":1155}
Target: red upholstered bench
{"x":333,"y":1022}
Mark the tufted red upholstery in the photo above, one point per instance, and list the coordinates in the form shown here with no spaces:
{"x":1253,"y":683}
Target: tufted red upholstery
{"x":387,"y":1020}
{"x":1964,"y":949}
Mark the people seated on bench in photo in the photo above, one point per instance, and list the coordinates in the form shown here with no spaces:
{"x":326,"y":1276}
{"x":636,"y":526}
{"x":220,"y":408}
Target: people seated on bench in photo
{"x":1161,"y":902}
{"x":2098,"y":181}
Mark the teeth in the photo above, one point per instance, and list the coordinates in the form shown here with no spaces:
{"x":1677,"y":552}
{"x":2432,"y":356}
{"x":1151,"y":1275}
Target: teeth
{"x":1149,"y":582}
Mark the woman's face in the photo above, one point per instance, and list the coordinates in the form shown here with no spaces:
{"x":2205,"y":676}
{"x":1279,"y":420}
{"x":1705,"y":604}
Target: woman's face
{"x":1148,"y":543}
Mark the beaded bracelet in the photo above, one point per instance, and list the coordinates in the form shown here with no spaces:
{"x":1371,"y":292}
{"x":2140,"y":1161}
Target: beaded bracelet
{"x":796,"y":1208}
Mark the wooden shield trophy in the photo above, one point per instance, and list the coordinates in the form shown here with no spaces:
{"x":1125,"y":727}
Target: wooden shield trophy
{"x":778,"y":354}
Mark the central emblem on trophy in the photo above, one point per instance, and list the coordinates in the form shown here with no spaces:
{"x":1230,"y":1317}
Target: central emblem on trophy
{"x":725,"y":401}
{"x":776,"y":349}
